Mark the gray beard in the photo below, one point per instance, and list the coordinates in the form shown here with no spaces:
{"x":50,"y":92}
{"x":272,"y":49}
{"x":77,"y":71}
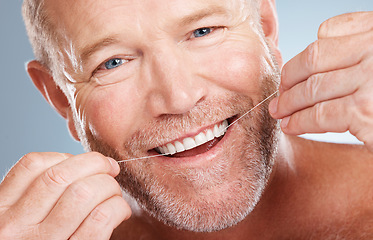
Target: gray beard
{"x":210,"y":198}
{"x":203,"y":200}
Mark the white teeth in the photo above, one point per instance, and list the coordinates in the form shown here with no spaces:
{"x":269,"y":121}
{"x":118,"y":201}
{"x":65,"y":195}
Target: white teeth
{"x":190,"y":143}
{"x":161,"y":150}
{"x":223,"y":127}
{"x":216,"y":131}
{"x":179,"y":147}
{"x":209,"y":135}
{"x":165,"y":150}
{"x":200,"y":139}
{"x":225,"y":124}
{"x":171,"y":148}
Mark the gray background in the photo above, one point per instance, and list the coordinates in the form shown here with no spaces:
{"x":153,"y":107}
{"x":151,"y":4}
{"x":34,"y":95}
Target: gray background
{"x":27,"y":122}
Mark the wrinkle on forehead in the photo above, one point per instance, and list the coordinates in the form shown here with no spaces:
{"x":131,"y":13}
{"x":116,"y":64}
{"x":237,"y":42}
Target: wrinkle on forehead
{"x":70,"y":12}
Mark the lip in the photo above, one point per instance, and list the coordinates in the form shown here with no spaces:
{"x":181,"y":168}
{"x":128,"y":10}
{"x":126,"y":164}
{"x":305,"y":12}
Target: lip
{"x":197,"y":160}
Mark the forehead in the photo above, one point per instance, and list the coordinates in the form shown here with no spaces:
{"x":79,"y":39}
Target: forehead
{"x":150,"y":7}
{"x":76,"y":17}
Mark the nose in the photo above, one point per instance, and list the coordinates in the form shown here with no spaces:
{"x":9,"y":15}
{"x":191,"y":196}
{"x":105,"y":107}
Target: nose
{"x":174,"y":89}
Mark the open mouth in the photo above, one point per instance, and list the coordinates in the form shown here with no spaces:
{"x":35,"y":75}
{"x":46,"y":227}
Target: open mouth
{"x":194,"y":145}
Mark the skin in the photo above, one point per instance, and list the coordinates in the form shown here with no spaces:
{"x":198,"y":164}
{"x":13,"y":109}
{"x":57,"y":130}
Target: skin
{"x":320,"y":190}
{"x":306,"y":81}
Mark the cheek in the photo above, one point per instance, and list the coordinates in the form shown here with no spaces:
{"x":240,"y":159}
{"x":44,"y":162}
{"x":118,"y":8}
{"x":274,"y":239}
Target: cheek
{"x":111,"y":113}
{"x":235,"y":69}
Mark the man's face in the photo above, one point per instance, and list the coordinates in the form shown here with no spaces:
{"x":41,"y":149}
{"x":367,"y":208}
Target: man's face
{"x":148,"y":74}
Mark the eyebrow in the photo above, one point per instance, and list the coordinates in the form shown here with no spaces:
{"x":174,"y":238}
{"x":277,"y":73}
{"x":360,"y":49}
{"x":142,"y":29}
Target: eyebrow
{"x":89,"y":50}
{"x":196,"y":16}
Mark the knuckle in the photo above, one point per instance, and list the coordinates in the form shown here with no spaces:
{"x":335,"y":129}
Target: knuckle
{"x":101,"y":214}
{"x":319,"y":115}
{"x":32,"y":161}
{"x":81,"y":191}
{"x":312,"y":87}
{"x":55,"y":177}
{"x":363,"y":102}
{"x":365,"y":67}
{"x":312,"y":55}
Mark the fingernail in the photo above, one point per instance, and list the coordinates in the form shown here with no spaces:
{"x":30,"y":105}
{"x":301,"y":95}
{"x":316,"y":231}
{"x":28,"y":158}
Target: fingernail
{"x":114,"y":164}
{"x":285,"y":122}
{"x":273,"y":106}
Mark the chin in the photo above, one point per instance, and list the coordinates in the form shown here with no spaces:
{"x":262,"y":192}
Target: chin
{"x":213,"y":191}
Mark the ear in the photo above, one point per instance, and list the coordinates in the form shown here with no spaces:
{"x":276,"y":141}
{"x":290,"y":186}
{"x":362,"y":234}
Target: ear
{"x":44,"y":82}
{"x":270,"y":26}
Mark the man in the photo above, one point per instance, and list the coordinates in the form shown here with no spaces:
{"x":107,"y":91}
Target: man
{"x":138,"y":79}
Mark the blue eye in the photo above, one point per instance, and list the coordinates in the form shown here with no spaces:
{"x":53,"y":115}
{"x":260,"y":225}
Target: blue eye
{"x":201,"y":32}
{"x":113,"y":63}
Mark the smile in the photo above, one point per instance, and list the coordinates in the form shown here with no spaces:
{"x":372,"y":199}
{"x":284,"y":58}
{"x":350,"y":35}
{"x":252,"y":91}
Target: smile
{"x":190,"y":143}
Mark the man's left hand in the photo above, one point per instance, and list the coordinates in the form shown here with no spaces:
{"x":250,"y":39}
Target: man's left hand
{"x":329,"y":86}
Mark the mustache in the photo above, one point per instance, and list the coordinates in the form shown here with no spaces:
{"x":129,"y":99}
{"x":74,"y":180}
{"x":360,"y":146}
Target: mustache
{"x":169,"y":127}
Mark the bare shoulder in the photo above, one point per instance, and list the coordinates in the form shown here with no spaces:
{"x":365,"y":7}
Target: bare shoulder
{"x":337,"y":181}
{"x":352,"y":162}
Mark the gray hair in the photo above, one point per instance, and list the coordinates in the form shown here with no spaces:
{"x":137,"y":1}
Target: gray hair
{"x":42,"y":36}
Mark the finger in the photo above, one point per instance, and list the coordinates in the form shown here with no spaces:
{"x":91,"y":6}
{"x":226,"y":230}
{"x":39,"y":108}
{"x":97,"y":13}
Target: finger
{"x":101,"y":222}
{"x":45,"y":191}
{"x":346,"y":24}
{"x":318,"y":88}
{"x":326,"y":55}
{"x":77,"y":202}
{"x":331,"y":116}
{"x":24,"y":172}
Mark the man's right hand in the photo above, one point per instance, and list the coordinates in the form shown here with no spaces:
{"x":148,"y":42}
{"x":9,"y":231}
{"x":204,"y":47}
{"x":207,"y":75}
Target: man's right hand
{"x":61,"y":196}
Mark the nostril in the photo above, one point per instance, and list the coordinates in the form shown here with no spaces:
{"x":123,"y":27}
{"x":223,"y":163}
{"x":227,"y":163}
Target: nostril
{"x":175,"y":97}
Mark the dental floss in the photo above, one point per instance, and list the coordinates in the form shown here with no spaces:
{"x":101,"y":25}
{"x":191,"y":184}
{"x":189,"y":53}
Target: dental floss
{"x":153,"y":156}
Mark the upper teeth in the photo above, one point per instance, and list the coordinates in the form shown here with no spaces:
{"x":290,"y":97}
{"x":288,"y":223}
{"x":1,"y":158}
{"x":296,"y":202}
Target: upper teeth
{"x":192,"y":142}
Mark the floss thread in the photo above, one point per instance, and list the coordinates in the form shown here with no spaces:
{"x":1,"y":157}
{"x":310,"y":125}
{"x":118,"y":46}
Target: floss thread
{"x":159,"y":155}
